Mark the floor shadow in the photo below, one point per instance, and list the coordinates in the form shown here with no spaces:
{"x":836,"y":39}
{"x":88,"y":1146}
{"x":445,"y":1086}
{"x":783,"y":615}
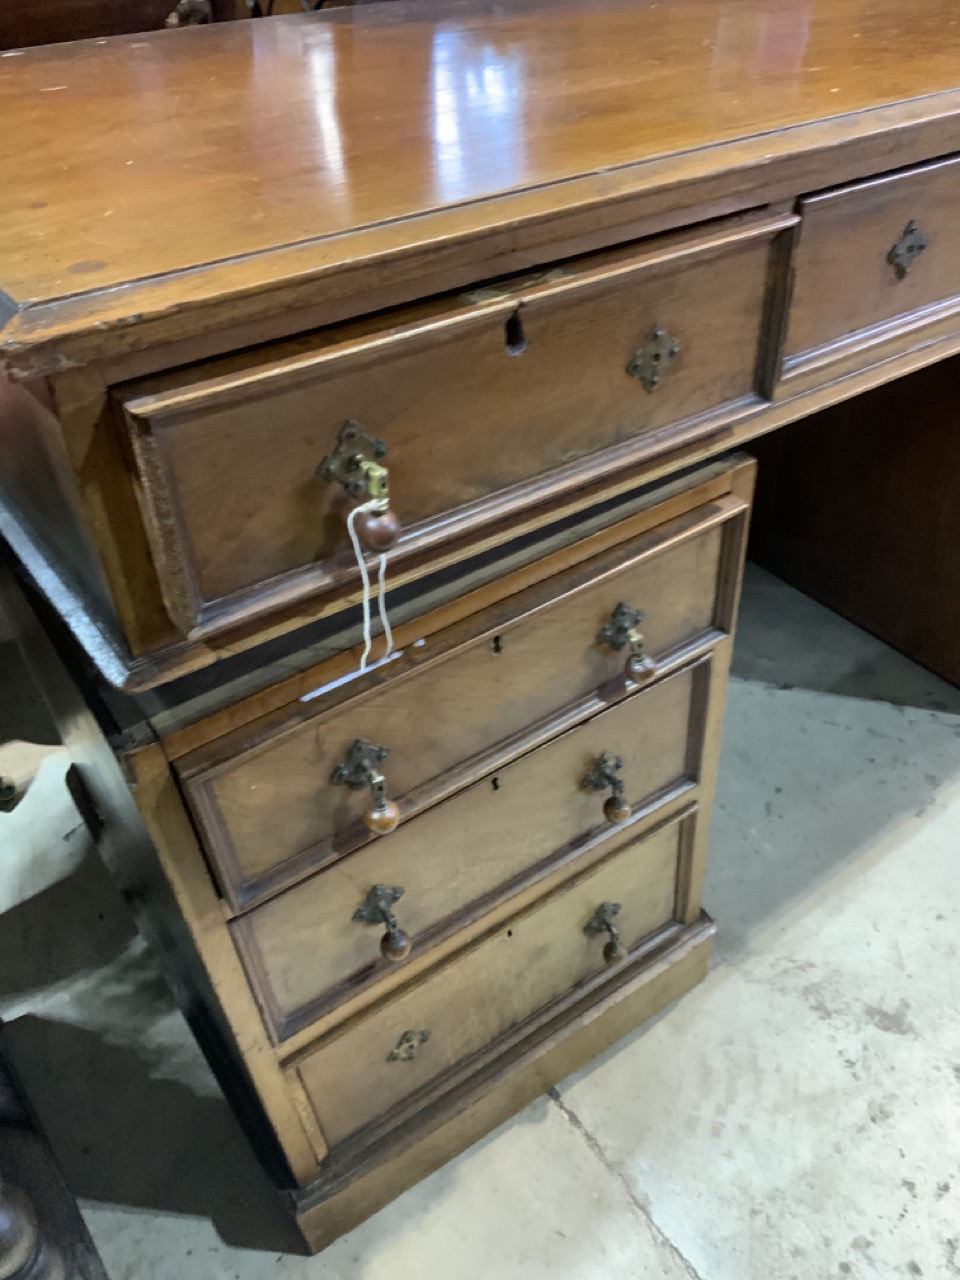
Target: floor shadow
{"x":124,"y":1136}
{"x":811,"y":784}
{"x":786,"y":639}
{"x":77,"y":924}
{"x":23,"y":711}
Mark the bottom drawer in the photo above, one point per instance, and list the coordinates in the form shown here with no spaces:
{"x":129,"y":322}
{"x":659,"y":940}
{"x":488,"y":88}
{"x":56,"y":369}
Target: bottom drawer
{"x":537,"y":958}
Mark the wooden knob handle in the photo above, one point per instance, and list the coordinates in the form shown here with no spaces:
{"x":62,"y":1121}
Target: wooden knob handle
{"x":606,"y":773}
{"x":603,"y":921}
{"x":383,"y":819}
{"x":377,"y":908}
{"x":640,"y":667}
{"x":615,"y":952}
{"x":395,"y":945}
{"x":616,"y":809}
{"x":378,"y":531}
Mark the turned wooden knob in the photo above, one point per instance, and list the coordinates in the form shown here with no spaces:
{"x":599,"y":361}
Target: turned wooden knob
{"x":395,"y":945}
{"x":378,"y":531}
{"x":640,"y":667}
{"x":603,"y":921}
{"x":383,"y":819}
{"x":616,"y":809}
{"x":359,"y":768}
{"x":377,"y":908}
{"x":606,"y":773}
{"x":615,"y":952}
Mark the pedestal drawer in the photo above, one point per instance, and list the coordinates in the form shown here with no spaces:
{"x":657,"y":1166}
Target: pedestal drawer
{"x":468,"y":396}
{"x":528,"y":963}
{"x":306,"y":949}
{"x":265,"y":797}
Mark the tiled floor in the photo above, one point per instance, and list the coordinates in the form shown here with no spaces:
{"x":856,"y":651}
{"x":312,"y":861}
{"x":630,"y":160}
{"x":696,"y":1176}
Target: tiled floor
{"x":796,"y":1117}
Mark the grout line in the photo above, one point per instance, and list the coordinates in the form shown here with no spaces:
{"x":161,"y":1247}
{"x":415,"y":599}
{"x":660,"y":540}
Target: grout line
{"x":576,"y":1123}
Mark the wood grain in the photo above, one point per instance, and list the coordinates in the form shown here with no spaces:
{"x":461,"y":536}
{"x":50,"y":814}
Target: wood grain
{"x":524,"y":964}
{"x":263,"y":797}
{"x":857,"y":507}
{"x":500,"y":1087}
{"x":605,"y":107}
{"x":844,"y":283}
{"x":238,"y":518}
{"x":303,"y":949}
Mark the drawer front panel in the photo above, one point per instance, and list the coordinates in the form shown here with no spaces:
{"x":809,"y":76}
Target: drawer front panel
{"x":270,"y":811}
{"x":405,"y":1043}
{"x":467,"y":406}
{"x":873,"y":254}
{"x":304,"y":951}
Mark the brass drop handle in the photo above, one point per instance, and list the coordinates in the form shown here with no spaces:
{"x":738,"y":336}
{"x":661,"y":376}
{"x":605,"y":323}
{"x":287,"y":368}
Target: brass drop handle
{"x":606,"y":774}
{"x":620,"y":631}
{"x":356,"y":463}
{"x":360,"y":768}
{"x":602,"y":922}
{"x":377,"y":908}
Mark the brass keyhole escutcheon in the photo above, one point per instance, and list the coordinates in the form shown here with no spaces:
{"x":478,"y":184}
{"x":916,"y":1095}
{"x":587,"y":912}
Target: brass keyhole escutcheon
{"x":907,"y":249}
{"x":649,"y":364}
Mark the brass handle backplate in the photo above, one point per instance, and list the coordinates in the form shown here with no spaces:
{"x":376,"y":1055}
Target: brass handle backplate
{"x":907,"y":249}
{"x":621,"y":630}
{"x":356,"y":462}
{"x":377,"y":908}
{"x":651,"y":361}
{"x":407,"y":1046}
{"x":359,"y":768}
{"x":602,"y":921}
{"x":605,"y":775}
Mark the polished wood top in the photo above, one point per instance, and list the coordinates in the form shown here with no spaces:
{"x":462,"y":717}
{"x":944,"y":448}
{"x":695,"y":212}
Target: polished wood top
{"x":291,"y":147}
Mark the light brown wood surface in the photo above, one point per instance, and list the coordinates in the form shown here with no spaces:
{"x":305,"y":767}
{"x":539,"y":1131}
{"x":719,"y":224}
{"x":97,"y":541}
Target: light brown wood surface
{"x":858,"y":508}
{"x":524,"y":964}
{"x":304,"y":950}
{"x":228,"y":453}
{"x":608,"y":106}
{"x":499,"y":1088}
{"x":843,"y":280}
{"x":264,"y":796}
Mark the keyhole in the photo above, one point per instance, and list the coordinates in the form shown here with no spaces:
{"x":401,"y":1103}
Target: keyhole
{"x":496,"y":644}
{"x":514,"y":339}
{"x":495,"y":783}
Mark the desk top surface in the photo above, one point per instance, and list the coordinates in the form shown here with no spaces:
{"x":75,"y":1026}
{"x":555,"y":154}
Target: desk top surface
{"x":136,"y":159}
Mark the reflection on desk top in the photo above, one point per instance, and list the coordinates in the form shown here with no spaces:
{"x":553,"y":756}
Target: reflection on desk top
{"x":290,"y":148}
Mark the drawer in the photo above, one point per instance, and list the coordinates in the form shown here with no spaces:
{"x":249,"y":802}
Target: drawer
{"x":264,"y":796}
{"x":873,"y":262}
{"x":305,"y":950}
{"x":531,"y":964}
{"x":474,"y":398}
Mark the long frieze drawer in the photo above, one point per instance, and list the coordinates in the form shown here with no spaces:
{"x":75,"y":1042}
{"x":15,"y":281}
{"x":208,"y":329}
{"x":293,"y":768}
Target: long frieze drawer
{"x":356,"y":920}
{"x":266,"y":797}
{"x":873,"y":262}
{"x":406,"y":1043}
{"x":247,"y":465}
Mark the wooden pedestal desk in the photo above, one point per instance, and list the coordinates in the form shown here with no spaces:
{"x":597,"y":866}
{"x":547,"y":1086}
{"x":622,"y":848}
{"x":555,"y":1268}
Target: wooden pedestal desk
{"x":510,"y":285}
